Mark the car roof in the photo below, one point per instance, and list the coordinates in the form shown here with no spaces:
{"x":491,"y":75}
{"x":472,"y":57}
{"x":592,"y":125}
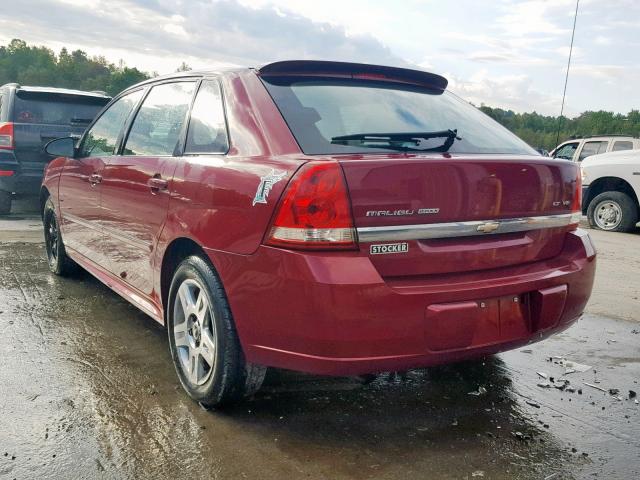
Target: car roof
{"x":62,"y":91}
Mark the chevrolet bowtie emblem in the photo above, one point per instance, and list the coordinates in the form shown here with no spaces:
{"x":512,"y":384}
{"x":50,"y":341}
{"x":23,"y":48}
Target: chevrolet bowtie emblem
{"x":488,"y":227}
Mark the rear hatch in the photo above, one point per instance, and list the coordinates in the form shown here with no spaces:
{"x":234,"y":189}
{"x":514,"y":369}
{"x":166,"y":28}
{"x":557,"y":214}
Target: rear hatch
{"x":421,"y":164}
{"x":439,"y":192}
{"x":40,"y":117}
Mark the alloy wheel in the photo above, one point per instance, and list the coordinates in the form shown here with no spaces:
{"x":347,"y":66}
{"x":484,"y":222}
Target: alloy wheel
{"x":51,"y":239}
{"x":194,"y":332}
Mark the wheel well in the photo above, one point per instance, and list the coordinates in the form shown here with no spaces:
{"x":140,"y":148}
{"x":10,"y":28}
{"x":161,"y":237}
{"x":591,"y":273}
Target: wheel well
{"x":176,"y":252}
{"x":609,"y":184}
{"x":44,"y":195}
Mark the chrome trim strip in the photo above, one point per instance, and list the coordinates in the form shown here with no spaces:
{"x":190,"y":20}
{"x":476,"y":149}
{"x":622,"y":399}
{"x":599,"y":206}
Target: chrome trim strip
{"x":462,"y":229}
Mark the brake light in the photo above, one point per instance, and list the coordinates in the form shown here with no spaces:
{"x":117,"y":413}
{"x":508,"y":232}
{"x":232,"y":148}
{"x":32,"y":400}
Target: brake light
{"x":576,"y":207}
{"x":314,"y":212}
{"x":6,"y":136}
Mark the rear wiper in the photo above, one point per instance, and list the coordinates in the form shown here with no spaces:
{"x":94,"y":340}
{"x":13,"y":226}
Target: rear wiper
{"x":399,"y":140}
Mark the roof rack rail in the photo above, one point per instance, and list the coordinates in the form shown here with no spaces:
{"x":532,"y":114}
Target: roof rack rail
{"x":584,"y":137}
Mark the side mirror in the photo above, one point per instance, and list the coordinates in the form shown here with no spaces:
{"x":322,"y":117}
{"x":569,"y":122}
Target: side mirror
{"x":61,"y":147}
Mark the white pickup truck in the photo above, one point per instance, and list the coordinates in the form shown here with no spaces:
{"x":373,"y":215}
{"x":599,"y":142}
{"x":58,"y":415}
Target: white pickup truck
{"x":610,"y":190}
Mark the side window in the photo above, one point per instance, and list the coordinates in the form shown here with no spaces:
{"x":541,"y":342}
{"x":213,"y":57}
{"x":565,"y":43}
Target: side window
{"x":566,"y":151}
{"x":592,"y":148}
{"x":622,"y":145}
{"x":157,"y":126}
{"x":207,"y":129}
{"x":102,"y":138}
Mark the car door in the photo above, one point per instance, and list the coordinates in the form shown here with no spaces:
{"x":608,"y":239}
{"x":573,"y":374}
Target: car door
{"x":136,"y":184}
{"x":80,"y":182}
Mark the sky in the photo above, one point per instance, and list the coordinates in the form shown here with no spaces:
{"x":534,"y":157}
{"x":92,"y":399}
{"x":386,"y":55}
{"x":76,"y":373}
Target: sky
{"x":502,"y":53}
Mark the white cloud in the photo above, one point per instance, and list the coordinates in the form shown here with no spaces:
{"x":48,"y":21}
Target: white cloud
{"x":514,"y":92}
{"x":602,"y":40}
{"x":509,"y":53}
{"x":533,"y":17}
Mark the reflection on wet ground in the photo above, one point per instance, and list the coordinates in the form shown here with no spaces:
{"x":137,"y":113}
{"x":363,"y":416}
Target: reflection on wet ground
{"x":88,"y":391}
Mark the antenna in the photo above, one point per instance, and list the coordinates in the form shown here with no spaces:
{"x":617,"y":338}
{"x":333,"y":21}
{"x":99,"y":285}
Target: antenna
{"x":566,"y":78}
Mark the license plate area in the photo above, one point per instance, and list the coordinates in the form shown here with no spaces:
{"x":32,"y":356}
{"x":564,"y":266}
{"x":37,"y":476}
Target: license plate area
{"x":468,"y":324}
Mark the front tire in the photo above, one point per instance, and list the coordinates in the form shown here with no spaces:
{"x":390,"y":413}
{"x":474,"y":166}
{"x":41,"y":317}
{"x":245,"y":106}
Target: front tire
{"x":203,"y":340}
{"x":5,"y":202}
{"x":613,"y":212}
{"x":59,"y":262}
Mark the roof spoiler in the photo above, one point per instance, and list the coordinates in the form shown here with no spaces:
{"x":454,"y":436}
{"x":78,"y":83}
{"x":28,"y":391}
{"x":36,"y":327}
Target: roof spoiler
{"x":354,"y":70}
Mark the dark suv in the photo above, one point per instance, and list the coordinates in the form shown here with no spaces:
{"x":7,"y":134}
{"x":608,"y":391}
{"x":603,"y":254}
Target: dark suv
{"x":29,"y":118}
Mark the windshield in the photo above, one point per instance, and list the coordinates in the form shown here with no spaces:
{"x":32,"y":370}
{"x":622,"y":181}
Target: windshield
{"x":319,"y":111}
{"x":56,"y":109}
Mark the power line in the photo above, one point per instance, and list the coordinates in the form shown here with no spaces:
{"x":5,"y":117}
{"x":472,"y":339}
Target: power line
{"x":566,"y":78}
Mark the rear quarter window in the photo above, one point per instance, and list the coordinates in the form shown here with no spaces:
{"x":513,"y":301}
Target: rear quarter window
{"x":207,"y":127}
{"x":622,"y":145}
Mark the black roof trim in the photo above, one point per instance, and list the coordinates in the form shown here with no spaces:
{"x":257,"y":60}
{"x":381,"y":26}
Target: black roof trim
{"x":186,"y":75}
{"x":321,"y":67}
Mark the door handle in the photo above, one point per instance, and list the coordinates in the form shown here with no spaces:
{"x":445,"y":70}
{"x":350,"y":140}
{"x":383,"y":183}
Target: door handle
{"x":95,"y":179}
{"x":157,"y":184}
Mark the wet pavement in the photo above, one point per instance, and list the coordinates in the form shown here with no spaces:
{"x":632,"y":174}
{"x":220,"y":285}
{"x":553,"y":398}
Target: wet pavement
{"x":87,"y":390}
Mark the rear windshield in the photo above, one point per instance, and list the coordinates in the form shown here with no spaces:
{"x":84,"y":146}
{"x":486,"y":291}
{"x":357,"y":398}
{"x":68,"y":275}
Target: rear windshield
{"x":56,"y":109}
{"x":319,"y":111}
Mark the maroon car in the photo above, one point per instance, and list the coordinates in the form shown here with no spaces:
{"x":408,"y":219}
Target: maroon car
{"x":332,"y":218}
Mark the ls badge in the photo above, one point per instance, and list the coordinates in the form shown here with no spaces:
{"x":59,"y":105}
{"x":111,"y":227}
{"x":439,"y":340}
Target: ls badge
{"x":389,"y":248}
{"x":266,"y":184}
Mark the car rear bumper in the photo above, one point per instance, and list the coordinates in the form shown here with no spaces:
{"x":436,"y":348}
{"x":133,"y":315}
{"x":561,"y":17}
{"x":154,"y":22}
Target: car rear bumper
{"x":332,"y":313}
{"x":23,"y":180}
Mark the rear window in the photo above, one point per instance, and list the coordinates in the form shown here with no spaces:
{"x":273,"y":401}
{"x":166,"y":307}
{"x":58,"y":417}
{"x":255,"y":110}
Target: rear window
{"x":56,"y":109}
{"x":319,"y":110}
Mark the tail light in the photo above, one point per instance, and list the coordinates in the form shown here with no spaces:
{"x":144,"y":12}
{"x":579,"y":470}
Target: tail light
{"x":6,"y":136}
{"x":314,"y":212}
{"x":576,"y":206}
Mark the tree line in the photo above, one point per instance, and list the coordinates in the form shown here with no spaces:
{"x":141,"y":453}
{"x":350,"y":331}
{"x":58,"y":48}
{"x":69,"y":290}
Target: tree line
{"x":33,"y":65}
{"x":541,"y":131}
{"x":37,"y":65}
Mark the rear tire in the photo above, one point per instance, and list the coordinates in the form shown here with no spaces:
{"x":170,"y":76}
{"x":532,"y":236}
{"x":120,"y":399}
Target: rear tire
{"x":5,"y":202}
{"x":203,"y":340}
{"x":613,"y":212}
{"x":59,"y":262}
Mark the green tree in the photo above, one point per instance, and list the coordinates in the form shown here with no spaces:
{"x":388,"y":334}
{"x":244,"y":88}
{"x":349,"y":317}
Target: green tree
{"x":31,"y":65}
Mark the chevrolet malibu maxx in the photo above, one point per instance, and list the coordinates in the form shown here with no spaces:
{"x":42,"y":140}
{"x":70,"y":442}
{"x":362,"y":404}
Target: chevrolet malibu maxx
{"x":326,"y":217}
